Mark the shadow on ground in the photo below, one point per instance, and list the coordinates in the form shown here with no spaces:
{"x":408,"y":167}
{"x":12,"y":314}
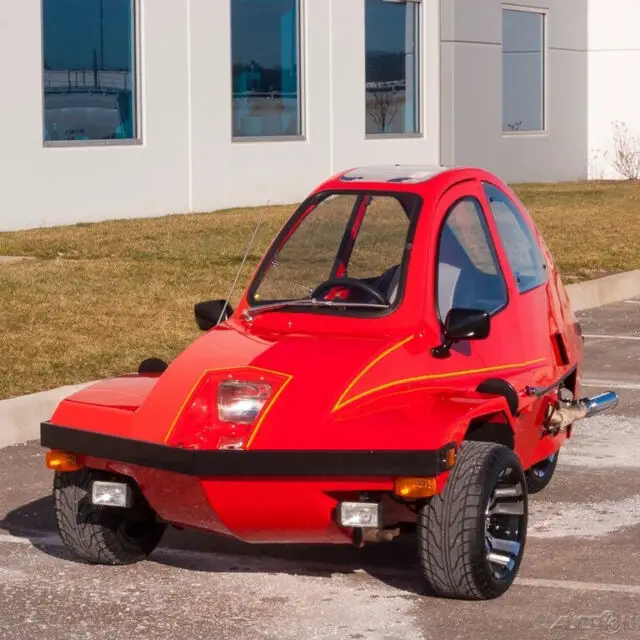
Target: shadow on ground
{"x":394,"y":564}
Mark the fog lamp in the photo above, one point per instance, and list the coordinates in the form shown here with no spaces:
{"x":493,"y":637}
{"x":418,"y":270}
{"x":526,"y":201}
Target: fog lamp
{"x":111,"y":494}
{"x":360,"y":514}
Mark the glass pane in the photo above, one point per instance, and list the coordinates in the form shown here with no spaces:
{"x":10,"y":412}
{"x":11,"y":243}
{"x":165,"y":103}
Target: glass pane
{"x":522,"y":71}
{"x":265,"y":69}
{"x":381,"y":238}
{"x":89,"y":82}
{"x":359,"y":236}
{"x":523,"y":252}
{"x":392,"y":85}
{"x":468,"y":274}
{"x":309,"y":254}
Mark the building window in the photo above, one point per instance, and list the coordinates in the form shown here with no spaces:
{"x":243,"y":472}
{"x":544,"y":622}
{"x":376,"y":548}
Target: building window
{"x":523,"y":73}
{"x":265,"y":45}
{"x":522,"y":249}
{"x":89,"y":70}
{"x":392,"y":67}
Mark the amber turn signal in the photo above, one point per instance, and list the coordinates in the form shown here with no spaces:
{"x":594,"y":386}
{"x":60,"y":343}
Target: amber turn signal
{"x":63,"y":461}
{"x":450,"y":457}
{"x":415,"y":487}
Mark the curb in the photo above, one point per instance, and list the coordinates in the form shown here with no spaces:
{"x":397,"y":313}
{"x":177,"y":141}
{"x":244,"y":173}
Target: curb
{"x":20,"y":417}
{"x":607,"y":290}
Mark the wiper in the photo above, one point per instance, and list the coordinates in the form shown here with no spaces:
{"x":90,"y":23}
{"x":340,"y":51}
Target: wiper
{"x":313,"y":302}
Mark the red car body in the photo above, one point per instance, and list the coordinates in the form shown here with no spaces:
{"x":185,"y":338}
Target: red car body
{"x":357,"y":400}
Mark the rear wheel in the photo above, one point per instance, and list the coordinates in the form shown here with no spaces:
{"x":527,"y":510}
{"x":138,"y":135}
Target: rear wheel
{"x":103,"y":535}
{"x":540,"y":474}
{"x":471,"y":536}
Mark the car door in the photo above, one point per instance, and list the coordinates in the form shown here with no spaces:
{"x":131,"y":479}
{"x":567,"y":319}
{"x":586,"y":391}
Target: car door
{"x":473,"y":271}
{"x":469,"y":274}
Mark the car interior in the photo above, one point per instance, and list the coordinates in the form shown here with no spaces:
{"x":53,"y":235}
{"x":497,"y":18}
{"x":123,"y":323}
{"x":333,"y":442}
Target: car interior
{"x":460,"y":283}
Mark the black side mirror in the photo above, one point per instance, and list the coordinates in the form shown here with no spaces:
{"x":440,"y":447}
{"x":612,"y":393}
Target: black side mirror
{"x":210,"y":312}
{"x":463,"y":324}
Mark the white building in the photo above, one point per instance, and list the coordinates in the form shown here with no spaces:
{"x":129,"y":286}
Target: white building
{"x":128,"y":108}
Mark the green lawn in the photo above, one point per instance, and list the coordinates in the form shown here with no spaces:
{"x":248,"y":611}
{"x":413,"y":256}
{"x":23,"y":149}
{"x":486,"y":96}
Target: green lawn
{"x":101,"y":297}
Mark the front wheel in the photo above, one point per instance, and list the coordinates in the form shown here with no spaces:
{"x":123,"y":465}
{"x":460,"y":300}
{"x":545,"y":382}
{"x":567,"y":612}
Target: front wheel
{"x":102,"y":535}
{"x":471,"y":536}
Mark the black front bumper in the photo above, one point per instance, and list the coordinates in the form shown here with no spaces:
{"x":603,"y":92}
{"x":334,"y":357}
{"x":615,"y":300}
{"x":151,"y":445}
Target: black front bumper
{"x":230,"y":464}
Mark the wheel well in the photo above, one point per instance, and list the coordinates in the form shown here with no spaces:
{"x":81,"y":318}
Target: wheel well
{"x":491,"y":429}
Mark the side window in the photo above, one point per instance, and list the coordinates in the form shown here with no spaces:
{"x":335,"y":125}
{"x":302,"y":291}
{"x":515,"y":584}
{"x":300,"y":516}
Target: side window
{"x":523,"y":252}
{"x":468,"y":275}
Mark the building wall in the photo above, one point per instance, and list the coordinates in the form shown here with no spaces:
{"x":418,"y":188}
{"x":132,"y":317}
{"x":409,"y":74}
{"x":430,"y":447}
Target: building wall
{"x":471,"y":54}
{"x":187,"y":160}
{"x":228,"y":173}
{"x":55,"y":185}
{"x":614,"y":92}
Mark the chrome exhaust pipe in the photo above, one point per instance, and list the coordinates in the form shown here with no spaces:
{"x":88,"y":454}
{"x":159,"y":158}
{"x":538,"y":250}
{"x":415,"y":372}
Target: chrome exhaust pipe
{"x":564,"y":415}
{"x":598,"y":404}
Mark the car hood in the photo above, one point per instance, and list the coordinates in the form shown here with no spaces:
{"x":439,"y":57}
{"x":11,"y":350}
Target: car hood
{"x":323,"y":372}
{"x":341,"y":392}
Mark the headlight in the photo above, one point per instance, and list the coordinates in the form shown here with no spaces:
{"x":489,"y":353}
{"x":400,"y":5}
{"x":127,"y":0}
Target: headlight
{"x":225,"y":412}
{"x":241,"y":402}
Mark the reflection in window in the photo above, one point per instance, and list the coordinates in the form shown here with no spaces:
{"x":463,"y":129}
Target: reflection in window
{"x":468,"y":273}
{"x":522,"y":71}
{"x":392,"y":85}
{"x":265,"y":68}
{"x":89,"y":82}
{"x":362,"y":236}
{"x":309,"y":254}
{"x":523,"y":251}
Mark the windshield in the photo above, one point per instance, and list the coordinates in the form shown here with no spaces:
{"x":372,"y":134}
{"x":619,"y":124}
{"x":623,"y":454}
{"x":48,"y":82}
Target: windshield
{"x":348,"y":246}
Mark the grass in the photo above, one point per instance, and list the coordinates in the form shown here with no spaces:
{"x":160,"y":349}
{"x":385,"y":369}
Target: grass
{"x":101,"y":297}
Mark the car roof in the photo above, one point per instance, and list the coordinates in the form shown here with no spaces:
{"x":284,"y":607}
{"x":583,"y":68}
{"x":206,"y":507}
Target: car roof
{"x":425,"y":179}
{"x":393,"y":173}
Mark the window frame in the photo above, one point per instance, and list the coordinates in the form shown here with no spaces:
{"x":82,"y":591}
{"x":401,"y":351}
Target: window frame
{"x":419,"y":72}
{"x":138,"y":139}
{"x":301,"y":55}
{"x":292,"y":224}
{"x":531,"y":233}
{"x":482,"y":214}
{"x":544,"y":14}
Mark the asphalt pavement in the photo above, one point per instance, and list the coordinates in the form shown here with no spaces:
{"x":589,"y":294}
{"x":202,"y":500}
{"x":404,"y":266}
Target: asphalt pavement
{"x":580,"y":577}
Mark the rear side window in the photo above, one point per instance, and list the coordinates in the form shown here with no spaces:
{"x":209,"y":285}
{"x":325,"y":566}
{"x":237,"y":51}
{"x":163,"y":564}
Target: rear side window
{"x":523,"y":252}
{"x":468,"y":275}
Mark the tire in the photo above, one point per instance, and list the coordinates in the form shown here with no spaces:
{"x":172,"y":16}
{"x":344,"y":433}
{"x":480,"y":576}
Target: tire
{"x":102,"y":535}
{"x":454,"y":530}
{"x":539,"y":475}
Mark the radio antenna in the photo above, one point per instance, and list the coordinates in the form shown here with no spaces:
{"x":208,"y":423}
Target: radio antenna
{"x":244,"y":259}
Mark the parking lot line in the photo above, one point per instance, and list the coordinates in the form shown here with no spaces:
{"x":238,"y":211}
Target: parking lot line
{"x":610,"y":384}
{"x":575,"y":585}
{"x":50,"y":540}
{"x":594,"y":336}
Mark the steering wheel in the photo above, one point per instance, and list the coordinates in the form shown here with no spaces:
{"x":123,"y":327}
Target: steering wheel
{"x":348,"y":283}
